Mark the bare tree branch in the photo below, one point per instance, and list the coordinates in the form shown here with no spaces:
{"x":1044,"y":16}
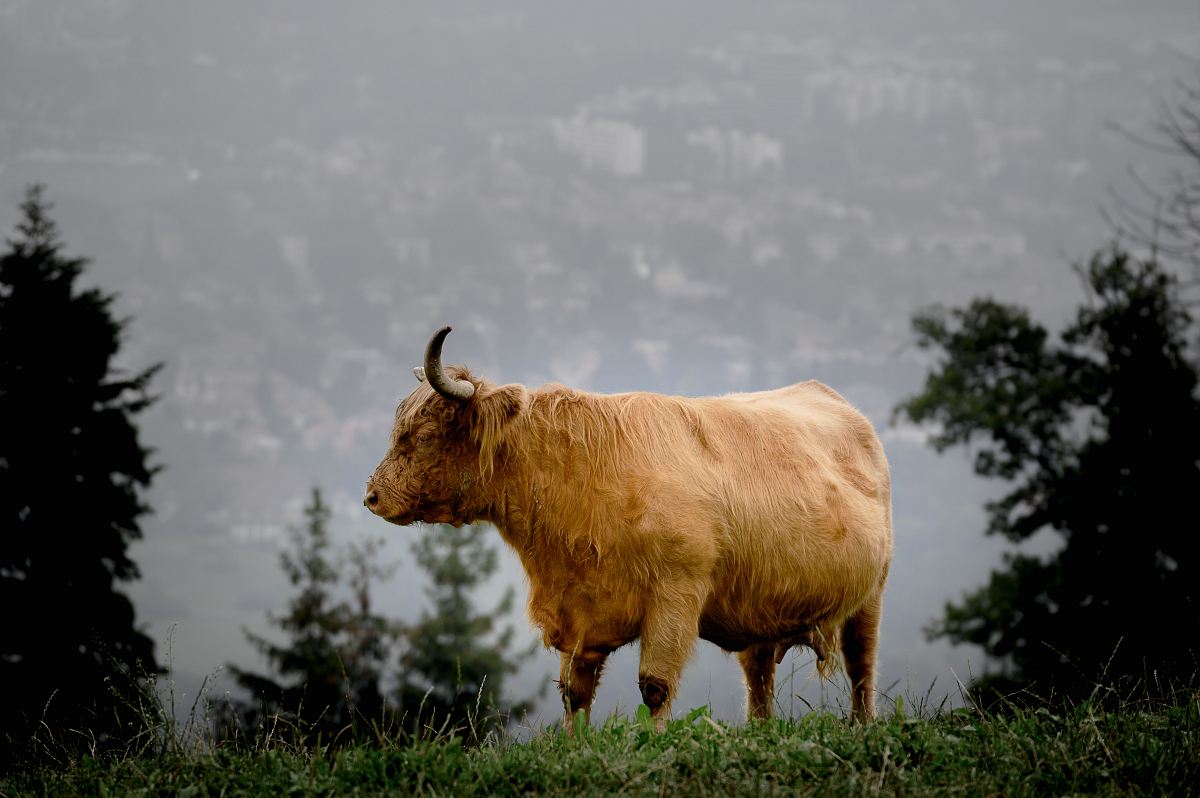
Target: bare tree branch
{"x":1163,"y":214}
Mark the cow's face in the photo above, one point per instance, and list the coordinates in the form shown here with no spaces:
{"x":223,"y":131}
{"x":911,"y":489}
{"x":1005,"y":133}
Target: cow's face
{"x":429,"y":464}
{"x":445,"y":441}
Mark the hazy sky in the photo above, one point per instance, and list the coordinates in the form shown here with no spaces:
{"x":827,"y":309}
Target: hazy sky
{"x":690,"y":197}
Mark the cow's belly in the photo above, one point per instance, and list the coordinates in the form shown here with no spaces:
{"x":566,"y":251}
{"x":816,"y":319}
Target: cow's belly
{"x":738,"y":631}
{"x":736,"y":637}
{"x":773,"y":598}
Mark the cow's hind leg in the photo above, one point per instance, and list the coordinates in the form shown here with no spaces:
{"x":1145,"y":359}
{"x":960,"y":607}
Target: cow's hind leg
{"x":860,"y":641}
{"x":758,"y":664}
{"x":578,"y":677}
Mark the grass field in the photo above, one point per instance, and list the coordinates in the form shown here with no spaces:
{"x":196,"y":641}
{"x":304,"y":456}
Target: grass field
{"x":1132,"y":748}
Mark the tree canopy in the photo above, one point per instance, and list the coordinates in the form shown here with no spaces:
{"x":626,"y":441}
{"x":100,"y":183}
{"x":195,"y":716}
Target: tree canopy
{"x":1097,"y":431}
{"x":72,"y":473}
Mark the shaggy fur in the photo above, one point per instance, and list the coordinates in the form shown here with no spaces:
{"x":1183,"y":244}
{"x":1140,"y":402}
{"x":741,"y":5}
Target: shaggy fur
{"x":758,"y":521}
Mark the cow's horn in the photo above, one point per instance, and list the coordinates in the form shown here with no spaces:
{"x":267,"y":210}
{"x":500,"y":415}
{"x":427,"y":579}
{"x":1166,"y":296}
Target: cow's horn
{"x":458,"y":390}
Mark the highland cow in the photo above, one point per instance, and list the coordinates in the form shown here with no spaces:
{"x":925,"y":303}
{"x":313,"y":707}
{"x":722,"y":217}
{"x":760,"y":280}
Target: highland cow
{"x":757,"y":521}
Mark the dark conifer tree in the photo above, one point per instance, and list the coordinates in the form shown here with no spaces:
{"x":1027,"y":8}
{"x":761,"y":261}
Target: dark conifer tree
{"x":72,"y":471}
{"x":454,"y":664}
{"x":1099,"y":435}
{"x":326,"y":681}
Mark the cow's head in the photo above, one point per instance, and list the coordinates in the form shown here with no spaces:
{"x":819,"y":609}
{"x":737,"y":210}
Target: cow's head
{"x":447,"y":442}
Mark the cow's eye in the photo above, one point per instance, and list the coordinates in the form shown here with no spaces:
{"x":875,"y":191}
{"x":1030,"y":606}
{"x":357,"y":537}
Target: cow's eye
{"x":424,"y":438}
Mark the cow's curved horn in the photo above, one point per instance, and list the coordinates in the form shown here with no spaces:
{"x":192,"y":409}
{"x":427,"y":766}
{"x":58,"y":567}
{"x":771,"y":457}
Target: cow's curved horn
{"x":458,"y":390}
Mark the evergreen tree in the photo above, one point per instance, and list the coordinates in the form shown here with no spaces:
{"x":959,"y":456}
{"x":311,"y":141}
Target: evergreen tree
{"x":72,"y":470}
{"x":333,"y":659}
{"x":451,"y":677}
{"x":1100,"y":435}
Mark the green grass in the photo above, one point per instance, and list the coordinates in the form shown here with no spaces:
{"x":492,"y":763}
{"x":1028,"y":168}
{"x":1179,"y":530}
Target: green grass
{"x":1133,"y":749}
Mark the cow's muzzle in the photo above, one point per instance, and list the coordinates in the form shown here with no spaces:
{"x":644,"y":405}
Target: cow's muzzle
{"x":371,"y":499}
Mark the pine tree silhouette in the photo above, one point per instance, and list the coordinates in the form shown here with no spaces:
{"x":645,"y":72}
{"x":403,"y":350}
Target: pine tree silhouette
{"x":452,"y":669}
{"x":327,"y":682}
{"x":72,"y":470}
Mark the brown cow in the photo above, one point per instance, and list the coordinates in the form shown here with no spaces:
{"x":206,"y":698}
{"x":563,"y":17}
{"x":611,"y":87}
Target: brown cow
{"x":757,"y":521}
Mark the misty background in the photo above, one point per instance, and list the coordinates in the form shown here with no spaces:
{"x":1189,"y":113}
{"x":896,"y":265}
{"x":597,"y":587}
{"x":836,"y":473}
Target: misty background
{"x":687,"y":197}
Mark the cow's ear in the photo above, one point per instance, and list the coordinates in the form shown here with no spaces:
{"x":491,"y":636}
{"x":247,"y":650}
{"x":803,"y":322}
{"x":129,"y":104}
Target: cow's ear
{"x":497,"y":405}
{"x":491,"y":408}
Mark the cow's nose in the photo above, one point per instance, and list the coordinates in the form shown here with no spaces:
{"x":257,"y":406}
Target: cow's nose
{"x":371,"y":499}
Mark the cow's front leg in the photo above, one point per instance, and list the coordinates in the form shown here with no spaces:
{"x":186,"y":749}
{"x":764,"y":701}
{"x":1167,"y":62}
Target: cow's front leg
{"x":578,"y":677}
{"x":669,"y":633}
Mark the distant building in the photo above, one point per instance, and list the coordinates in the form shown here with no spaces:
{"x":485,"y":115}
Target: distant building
{"x":736,"y":155}
{"x":605,"y":144}
{"x":862,"y":94}
{"x":216,"y":389}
